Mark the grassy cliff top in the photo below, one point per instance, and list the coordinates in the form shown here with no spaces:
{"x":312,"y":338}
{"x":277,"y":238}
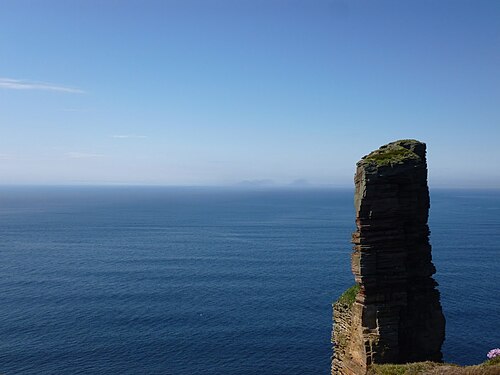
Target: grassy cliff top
{"x":490,"y":367}
{"x":396,"y":153}
{"x":349,"y":296}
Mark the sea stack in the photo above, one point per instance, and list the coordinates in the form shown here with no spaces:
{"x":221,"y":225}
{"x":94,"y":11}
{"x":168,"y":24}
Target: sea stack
{"x":393,"y":313}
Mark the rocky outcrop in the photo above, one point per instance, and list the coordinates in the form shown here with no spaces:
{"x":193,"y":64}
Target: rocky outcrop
{"x":396,"y":316}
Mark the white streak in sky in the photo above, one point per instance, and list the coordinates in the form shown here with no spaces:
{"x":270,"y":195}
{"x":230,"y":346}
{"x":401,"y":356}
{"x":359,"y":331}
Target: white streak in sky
{"x":17,"y":84}
{"x":74,"y":110}
{"x":83,"y":155}
{"x":124,"y":136}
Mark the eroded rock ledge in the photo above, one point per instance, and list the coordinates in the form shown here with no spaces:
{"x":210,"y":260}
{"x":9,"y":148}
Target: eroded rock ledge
{"x":395,"y":315}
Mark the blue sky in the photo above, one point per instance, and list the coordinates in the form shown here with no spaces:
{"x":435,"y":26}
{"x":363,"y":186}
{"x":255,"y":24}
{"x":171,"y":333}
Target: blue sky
{"x":214,"y":92}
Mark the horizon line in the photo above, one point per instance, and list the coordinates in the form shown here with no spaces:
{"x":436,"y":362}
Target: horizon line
{"x":225,"y":186}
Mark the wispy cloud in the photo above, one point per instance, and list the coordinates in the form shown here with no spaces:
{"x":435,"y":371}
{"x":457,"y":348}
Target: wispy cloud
{"x":74,"y":110}
{"x":6,"y":157}
{"x":83,"y":155}
{"x":17,"y":84}
{"x":123,"y":136}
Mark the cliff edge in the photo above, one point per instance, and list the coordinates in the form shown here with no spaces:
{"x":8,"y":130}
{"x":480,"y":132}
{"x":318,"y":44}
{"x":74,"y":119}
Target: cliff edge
{"x":393,"y":313}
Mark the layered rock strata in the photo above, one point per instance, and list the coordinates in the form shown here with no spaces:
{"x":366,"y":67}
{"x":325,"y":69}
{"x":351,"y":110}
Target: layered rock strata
{"x":396,"y":315}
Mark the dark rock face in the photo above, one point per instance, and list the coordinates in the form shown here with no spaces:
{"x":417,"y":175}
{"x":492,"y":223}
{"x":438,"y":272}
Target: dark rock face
{"x":397,"y":316}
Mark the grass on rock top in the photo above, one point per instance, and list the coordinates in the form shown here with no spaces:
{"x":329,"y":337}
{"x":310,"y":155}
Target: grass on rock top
{"x":349,"y":296}
{"x":489,"y":367}
{"x":390,"y":155}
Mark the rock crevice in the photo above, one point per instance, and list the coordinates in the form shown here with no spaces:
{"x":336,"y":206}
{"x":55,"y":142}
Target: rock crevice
{"x":396,"y":316}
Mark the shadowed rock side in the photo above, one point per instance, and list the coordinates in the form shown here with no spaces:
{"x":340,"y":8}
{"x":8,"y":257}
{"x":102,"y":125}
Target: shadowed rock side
{"x":396,"y":316}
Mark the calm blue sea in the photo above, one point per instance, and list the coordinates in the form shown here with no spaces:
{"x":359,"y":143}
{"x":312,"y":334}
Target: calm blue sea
{"x":134,"y":280}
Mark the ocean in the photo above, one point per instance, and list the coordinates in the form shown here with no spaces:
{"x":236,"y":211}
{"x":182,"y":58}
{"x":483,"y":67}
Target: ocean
{"x":150,"y":280}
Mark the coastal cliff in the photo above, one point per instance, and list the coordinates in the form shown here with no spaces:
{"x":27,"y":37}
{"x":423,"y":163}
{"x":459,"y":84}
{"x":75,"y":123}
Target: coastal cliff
{"x":393,"y":313}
